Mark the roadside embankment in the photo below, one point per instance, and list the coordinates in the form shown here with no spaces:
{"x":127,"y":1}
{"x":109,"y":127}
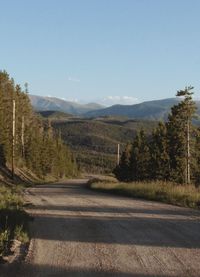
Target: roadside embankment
{"x":13,"y":220}
{"x":181,"y":195}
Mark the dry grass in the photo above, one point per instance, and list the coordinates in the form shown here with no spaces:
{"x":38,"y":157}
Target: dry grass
{"x":182,"y":195}
{"x":13,"y":219}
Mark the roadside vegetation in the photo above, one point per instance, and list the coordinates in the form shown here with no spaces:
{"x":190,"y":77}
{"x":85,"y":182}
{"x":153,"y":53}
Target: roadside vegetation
{"x":166,"y":192}
{"x":37,"y":147}
{"x":164,"y":166}
{"x":13,"y":219}
{"x":172,"y":151}
{"x":30,"y":149}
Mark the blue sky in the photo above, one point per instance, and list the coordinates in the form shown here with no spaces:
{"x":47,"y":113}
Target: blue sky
{"x":106,"y":50}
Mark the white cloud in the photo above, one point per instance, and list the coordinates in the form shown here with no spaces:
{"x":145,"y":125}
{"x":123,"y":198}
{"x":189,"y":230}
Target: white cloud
{"x":124,"y":100}
{"x":70,"y":99}
{"x":73,"y":79}
{"x":75,"y":100}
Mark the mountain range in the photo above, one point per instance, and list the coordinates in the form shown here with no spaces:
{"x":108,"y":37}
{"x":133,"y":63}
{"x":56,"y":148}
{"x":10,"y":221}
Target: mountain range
{"x":44,"y":103}
{"x":149,"y":110}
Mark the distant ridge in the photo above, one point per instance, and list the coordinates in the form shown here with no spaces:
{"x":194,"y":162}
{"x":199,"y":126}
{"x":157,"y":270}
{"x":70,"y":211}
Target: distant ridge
{"x":42,"y":103}
{"x":149,"y":110}
{"x":55,"y":115}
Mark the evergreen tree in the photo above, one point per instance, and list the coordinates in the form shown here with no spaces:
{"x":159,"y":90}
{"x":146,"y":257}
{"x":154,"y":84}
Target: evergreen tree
{"x":123,"y":170}
{"x":159,"y":162}
{"x":36,"y":145}
{"x":172,"y":153}
{"x":178,"y":132}
{"x":196,"y":158}
{"x":140,"y":158}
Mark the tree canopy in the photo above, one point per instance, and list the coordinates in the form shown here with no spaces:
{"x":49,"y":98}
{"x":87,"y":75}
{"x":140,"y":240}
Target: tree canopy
{"x":172,"y":150}
{"x":37,"y":146}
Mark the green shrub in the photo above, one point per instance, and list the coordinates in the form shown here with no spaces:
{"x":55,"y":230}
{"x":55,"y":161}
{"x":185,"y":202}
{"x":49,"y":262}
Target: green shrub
{"x":4,"y":241}
{"x":13,"y":219}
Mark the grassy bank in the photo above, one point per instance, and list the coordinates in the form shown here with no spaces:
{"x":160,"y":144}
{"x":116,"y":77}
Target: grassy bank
{"x":186,"y":196}
{"x":13,"y":219}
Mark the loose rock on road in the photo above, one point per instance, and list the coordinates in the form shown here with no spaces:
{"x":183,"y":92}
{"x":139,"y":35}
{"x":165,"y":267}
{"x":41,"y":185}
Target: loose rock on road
{"x":78,"y":232}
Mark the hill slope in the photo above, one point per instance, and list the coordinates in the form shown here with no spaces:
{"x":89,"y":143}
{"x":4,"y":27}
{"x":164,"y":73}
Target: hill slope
{"x":94,"y":141}
{"x":41,"y":103}
{"x":151,"y":110}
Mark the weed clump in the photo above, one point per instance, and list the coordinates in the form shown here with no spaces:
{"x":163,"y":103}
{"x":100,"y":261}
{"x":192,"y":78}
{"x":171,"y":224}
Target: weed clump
{"x":13,"y":219}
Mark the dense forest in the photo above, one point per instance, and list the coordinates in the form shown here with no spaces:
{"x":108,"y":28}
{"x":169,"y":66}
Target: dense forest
{"x":25,"y":141}
{"x":170,"y":153}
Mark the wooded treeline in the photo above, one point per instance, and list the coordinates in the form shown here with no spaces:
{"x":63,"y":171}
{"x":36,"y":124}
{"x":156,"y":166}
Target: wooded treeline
{"x":37,"y":147}
{"x":171,"y":153}
{"x":94,"y":141}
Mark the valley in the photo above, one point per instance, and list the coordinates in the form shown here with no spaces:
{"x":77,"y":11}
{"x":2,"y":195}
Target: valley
{"x":94,"y":141}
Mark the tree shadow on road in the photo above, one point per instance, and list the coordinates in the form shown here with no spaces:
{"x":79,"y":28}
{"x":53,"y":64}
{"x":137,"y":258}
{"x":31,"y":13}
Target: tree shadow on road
{"x":165,"y":227}
{"x":51,"y":271}
{"x":119,"y":210}
{"x":118,"y":230}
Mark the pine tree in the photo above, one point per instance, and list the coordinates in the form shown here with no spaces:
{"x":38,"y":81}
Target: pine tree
{"x":140,"y":158}
{"x":179,"y":130}
{"x":159,"y":162}
{"x":123,"y":170}
{"x":172,"y":153}
{"x":36,"y":145}
{"x":195,"y":166}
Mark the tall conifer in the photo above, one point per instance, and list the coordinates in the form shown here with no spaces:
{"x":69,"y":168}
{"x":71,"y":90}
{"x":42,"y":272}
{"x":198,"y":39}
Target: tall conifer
{"x":140,"y":157}
{"x":159,"y":162}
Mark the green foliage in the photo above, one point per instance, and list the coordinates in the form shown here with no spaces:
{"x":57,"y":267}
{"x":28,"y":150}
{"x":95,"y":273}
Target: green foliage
{"x":135,"y":160}
{"x":55,"y":115}
{"x":13,"y":219}
{"x":21,"y":234}
{"x":196,"y":157}
{"x":139,"y":159}
{"x":178,"y":123}
{"x":37,"y":146}
{"x":94,"y":141}
{"x":159,"y":157}
{"x":123,"y":170}
{"x":4,"y":241}
{"x":173,"y":151}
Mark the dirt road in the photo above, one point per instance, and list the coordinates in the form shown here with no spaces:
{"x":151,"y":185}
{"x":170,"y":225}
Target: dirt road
{"x":77,"y":232}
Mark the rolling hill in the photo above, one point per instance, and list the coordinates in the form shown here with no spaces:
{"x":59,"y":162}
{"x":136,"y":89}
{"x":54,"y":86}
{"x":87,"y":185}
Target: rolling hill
{"x":94,"y":141}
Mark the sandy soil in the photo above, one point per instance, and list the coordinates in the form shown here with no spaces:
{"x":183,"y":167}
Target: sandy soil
{"x":78,"y":232}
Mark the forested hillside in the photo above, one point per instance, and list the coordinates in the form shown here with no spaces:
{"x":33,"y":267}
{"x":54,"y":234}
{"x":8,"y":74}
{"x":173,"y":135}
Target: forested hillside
{"x":33,"y":145}
{"x":94,"y":142}
{"x":171,"y":153}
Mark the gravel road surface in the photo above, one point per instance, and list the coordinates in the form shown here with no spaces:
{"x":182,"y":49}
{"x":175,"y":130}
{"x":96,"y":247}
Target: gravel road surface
{"x":78,"y":232}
